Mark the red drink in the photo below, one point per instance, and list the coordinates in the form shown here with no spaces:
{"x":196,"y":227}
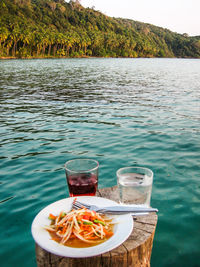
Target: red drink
{"x":82,"y":184}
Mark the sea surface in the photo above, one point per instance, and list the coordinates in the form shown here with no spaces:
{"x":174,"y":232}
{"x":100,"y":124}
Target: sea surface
{"x":120,"y":112}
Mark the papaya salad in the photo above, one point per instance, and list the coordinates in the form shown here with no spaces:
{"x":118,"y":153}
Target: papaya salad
{"x":80,"y":228}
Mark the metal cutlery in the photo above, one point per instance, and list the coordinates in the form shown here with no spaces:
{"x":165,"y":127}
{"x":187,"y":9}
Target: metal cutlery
{"x":113,"y":209}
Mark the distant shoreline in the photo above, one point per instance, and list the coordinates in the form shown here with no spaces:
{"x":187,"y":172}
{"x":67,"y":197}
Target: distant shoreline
{"x":6,"y":58}
{"x":57,"y":29}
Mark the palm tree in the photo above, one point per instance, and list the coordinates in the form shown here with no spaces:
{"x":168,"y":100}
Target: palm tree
{"x":85,"y":41}
{"x":68,"y":42}
{"x":4,"y":33}
{"x":15,"y":36}
{"x":97,"y":41}
{"x":9,"y":44}
{"x":51,"y":40}
{"x":38,"y":41}
{"x":44,"y":41}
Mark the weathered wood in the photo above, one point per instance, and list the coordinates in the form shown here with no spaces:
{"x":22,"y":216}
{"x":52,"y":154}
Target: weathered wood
{"x":135,"y":251}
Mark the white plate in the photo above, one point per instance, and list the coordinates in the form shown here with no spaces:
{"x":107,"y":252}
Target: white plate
{"x":122,"y":229}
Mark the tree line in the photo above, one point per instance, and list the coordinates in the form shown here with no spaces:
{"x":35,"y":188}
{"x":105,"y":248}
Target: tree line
{"x":55,"y":28}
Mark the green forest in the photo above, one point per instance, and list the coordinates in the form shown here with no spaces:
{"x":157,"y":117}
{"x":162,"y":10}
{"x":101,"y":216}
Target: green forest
{"x":55,"y":28}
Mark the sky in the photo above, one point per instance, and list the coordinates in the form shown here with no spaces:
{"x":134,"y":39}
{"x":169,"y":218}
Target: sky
{"x":181,"y":16}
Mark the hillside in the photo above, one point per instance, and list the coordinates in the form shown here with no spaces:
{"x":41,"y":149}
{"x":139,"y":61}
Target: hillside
{"x":55,"y":28}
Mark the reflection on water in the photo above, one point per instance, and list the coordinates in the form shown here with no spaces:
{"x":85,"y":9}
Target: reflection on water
{"x":119,"y":111}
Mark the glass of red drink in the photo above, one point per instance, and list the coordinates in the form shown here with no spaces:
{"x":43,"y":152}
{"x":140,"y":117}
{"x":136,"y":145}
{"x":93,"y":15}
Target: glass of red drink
{"x":82,"y":177}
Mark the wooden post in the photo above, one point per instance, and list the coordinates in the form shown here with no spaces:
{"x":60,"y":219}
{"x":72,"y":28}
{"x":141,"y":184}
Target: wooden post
{"x":135,"y":251}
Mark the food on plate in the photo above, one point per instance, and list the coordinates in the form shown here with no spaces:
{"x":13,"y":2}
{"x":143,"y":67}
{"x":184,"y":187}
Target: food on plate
{"x":80,"y":228}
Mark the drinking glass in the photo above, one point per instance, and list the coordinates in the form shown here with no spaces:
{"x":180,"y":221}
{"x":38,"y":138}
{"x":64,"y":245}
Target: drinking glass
{"x":82,"y":177}
{"x":135,"y":185}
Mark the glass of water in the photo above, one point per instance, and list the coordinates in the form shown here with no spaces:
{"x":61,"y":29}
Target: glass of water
{"x":135,"y":185}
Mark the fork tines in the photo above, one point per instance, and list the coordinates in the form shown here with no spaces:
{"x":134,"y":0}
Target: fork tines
{"x":75,"y":206}
{"x":78,"y":205}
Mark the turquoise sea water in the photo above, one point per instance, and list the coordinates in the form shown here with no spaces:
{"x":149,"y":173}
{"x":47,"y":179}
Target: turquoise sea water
{"x":119,"y":111}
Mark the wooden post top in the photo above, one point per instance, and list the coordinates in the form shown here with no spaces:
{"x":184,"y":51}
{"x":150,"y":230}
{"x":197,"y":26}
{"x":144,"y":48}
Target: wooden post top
{"x":135,"y":251}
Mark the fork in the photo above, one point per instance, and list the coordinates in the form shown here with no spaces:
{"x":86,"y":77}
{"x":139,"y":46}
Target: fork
{"x":112,"y":209}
